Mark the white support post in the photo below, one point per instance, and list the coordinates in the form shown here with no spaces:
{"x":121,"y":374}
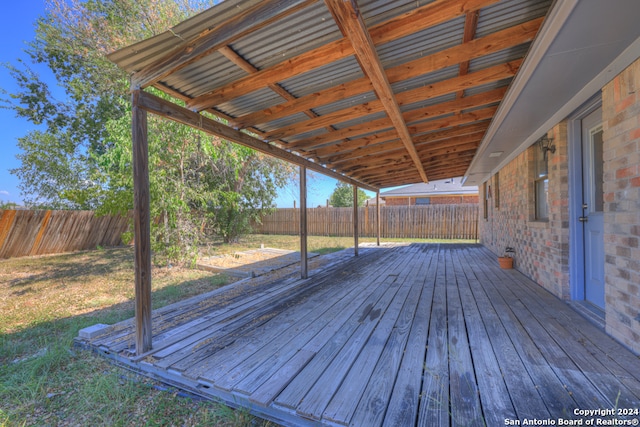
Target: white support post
{"x":355,"y":220}
{"x":378,"y":217}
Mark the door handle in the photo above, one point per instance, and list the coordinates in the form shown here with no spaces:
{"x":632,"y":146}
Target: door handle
{"x":583,"y":218}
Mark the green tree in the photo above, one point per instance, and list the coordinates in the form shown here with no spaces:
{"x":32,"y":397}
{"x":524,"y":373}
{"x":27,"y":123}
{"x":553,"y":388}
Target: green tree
{"x":81,"y":157}
{"x":342,"y":196}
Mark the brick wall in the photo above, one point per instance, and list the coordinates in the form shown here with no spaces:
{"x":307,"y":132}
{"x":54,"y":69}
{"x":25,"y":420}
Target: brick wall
{"x":620,"y":112}
{"x":541,"y":247}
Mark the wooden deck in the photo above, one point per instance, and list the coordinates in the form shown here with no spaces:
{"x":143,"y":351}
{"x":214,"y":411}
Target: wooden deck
{"x":427,"y":335}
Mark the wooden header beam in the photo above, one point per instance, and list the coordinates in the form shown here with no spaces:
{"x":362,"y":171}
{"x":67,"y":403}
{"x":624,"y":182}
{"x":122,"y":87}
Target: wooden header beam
{"x":169,"y":110}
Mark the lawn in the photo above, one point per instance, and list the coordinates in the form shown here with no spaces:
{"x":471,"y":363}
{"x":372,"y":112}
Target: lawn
{"x":46,"y":300}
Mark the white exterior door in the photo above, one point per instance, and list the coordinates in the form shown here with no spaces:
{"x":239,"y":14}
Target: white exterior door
{"x":592,"y":208}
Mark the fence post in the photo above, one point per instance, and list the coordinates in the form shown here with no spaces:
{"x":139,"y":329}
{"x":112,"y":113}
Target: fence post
{"x":423,"y":222}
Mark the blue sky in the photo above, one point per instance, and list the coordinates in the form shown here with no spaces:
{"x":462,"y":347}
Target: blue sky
{"x":17,"y":29}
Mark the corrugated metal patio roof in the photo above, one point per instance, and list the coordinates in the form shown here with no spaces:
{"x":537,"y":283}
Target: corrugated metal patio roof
{"x":384,"y":93}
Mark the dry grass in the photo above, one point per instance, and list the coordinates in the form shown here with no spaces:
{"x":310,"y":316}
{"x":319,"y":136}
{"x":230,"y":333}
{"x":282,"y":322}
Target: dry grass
{"x":45,"y":301}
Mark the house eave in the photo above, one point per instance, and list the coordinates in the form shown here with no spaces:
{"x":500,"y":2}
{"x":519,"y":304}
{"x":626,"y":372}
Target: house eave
{"x":578,"y":60}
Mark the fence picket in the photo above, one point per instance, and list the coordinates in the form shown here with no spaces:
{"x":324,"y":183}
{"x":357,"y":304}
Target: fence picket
{"x":425,"y":222}
{"x":26,"y":232}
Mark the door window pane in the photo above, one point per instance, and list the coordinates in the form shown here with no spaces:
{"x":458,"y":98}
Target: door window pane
{"x":598,"y":191}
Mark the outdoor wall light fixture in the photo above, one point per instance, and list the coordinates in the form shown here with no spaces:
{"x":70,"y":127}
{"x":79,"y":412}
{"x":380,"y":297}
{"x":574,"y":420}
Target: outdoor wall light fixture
{"x":546,"y":145}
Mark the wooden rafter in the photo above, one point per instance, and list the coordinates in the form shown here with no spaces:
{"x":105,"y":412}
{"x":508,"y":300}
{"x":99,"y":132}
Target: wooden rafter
{"x":476,"y":48}
{"x":432,"y":111}
{"x":450,"y":145}
{"x":376,"y":166}
{"x":470,"y":27}
{"x":452,"y":132}
{"x":377,"y":125}
{"x":233,"y":56}
{"x":424,"y":17}
{"x":383,"y":124}
{"x":323,"y":154}
{"x":394,"y":149}
{"x":208,"y":42}
{"x":452,"y":136}
{"x":372,"y":164}
{"x":352,"y":26}
{"x":369,"y":140}
{"x":402,"y":162}
{"x":478,"y":78}
{"x":400,"y":169}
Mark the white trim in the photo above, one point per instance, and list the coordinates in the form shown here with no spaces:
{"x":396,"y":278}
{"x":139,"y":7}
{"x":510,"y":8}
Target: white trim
{"x":549,"y":53}
{"x":551,"y":26}
{"x":626,"y":58}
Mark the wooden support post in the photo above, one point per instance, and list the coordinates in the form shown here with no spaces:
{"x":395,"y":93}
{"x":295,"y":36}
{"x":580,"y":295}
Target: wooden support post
{"x":303,"y":222}
{"x":355,"y":220}
{"x":141,"y":222}
{"x":378,"y":217}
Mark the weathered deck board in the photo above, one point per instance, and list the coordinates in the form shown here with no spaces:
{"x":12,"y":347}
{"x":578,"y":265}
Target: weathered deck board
{"x":248,"y":317}
{"x":434,"y":397}
{"x":585,"y":379}
{"x":465,"y":403}
{"x":428,"y":335}
{"x":314,"y":326}
{"x":298,"y":320}
{"x":386,"y":345}
{"x":301,"y":385}
{"x":398,"y":401}
{"x":378,"y":315}
{"x":518,"y":355}
{"x":497,"y":403}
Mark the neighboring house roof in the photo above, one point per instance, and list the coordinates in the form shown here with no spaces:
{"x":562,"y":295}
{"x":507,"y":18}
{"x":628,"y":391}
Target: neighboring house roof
{"x":443,"y":187}
{"x":372,"y":201}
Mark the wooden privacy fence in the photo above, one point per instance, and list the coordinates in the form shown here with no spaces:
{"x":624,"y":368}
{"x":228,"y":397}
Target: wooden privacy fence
{"x":38,"y":232}
{"x":420,"y":222}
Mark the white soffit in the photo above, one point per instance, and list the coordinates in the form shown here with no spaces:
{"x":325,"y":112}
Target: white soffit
{"x":581,"y":46}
